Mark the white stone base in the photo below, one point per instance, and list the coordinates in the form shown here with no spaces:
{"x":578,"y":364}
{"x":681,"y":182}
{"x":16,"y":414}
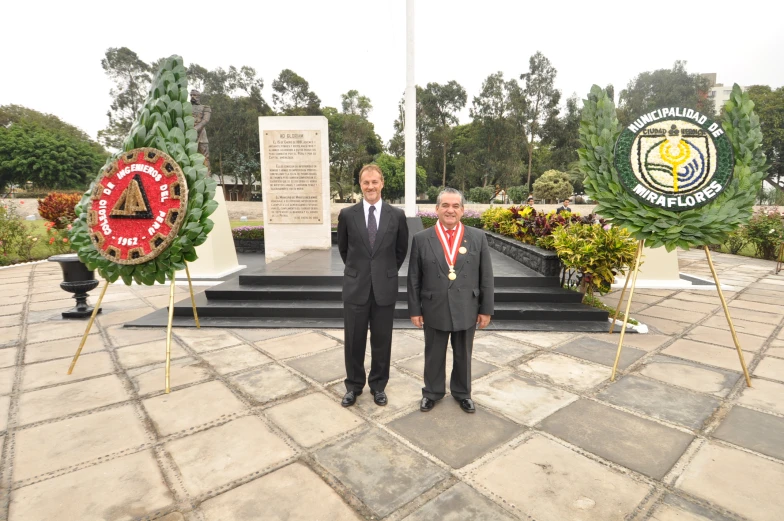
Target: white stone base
{"x":217,"y":256}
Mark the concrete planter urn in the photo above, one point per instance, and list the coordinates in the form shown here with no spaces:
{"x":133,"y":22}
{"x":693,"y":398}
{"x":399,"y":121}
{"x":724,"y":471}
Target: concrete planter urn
{"x":77,"y":279}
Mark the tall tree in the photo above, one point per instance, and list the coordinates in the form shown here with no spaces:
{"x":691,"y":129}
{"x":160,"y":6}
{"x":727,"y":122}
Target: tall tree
{"x":353,"y":142}
{"x":769,"y":106}
{"x":441,"y":104}
{"x":562,"y":135}
{"x":355,"y":104}
{"x":541,"y":100}
{"x":424,"y":128}
{"x":131,"y":77}
{"x":664,"y":88}
{"x":292,"y":95}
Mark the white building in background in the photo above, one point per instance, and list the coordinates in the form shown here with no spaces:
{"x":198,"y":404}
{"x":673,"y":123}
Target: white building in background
{"x":719,"y":93}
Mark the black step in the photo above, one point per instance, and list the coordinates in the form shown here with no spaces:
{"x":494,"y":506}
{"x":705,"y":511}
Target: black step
{"x":232,"y":290}
{"x":337,"y":280}
{"x":323,"y":309}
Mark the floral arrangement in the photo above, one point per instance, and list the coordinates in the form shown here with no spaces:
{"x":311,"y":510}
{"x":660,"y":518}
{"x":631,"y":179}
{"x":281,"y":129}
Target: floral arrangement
{"x":524,"y":224}
{"x":248,"y":232}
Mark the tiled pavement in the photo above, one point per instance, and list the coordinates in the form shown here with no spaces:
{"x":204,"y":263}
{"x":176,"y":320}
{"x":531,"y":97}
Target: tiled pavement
{"x":253,"y":430}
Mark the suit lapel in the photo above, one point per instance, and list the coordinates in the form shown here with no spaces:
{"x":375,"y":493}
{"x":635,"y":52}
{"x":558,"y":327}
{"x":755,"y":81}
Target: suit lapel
{"x":359,"y":221}
{"x":386,"y":215}
{"x":438,"y":250}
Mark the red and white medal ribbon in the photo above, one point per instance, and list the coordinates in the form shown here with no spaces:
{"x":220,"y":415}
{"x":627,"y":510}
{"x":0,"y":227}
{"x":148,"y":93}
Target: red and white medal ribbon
{"x":450,"y":253}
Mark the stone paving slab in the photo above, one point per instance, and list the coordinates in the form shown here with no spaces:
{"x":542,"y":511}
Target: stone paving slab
{"x":313,"y":419}
{"x":63,"y":400}
{"x":59,"y":349}
{"x":268,"y":383}
{"x":235,"y":359}
{"x":708,"y":354}
{"x":280,"y":495}
{"x":79,"y":439}
{"x":723,"y":337}
{"x":522,"y":399}
{"x":674,"y":508}
{"x":538,"y":339}
{"x":214,"y":458}
{"x":7,"y":380}
{"x":403,"y":392}
{"x":764,"y":395}
{"x":121,"y":489}
{"x":297,"y":345}
{"x":204,"y":339}
{"x":500,"y":351}
{"x":601,"y":352}
{"x":10,"y":320}
{"x":744,"y":483}
{"x":549,"y":482}
{"x":5,"y":402}
{"x":660,"y":401}
{"x":753,"y":430}
{"x":416,"y":365}
{"x":642,"y":445}
{"x":380,"y":471}
{"x":451,"y":435}
{"x":662,"y":325}
{"x":747,"y":327}
{"x":191,"y":407}
{"x":566,"y":371}
{"x":691,"y":375}
{"x":770,"y":367}
{"x":147,"y":353}
{"x":460,"y":503}
{"x":323,"y":367}
{"x":9,"y":336}
{"x":56,"y":371}
{"x":152,"y":378}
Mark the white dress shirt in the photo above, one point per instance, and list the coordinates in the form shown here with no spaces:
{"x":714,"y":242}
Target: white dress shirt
{"x":366,"y":205}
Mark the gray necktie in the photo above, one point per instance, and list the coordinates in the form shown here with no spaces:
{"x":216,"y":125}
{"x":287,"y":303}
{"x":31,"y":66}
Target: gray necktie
{"x":372,"y":228}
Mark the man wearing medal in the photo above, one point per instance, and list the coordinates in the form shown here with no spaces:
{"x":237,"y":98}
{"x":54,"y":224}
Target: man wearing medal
{"x":373,"y":242}
{"x":450,"y":294}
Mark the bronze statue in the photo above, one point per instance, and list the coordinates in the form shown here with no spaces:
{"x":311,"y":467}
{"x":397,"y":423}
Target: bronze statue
{"x":201,"y":116}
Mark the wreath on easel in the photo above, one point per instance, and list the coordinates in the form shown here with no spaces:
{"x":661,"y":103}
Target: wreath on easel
{"x":706,"y":225}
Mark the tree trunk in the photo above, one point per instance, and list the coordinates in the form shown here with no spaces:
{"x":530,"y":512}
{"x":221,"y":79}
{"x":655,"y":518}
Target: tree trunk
{"x":530,"y":162}
{"x":443,"y":182}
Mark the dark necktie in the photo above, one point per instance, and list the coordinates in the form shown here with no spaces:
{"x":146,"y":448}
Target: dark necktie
{"x":372,"y":227}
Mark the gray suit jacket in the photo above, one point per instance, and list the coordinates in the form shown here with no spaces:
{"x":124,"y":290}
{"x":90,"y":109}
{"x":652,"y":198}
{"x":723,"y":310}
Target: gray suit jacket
{"x":377,"y":266}
{"x":450,"y":305}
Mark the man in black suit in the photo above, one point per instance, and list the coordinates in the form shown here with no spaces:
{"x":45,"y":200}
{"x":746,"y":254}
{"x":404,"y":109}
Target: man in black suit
{"x":564,"y":207}
{"x":450,"y":294}
{"x":373,"y":242}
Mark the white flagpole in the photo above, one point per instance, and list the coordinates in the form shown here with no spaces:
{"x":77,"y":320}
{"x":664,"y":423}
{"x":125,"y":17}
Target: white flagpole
{"x":410,"y":115}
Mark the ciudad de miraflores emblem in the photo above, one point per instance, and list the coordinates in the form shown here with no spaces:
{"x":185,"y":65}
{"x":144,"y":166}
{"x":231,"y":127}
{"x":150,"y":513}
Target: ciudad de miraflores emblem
{"x":137,"y":206}
{"x":674,"y":158}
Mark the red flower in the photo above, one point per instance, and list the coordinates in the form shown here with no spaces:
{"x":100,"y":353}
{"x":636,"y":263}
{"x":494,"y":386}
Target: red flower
{"x":51,"y":240}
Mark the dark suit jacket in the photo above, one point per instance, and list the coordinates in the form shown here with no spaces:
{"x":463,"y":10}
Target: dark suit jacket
{"x":450,"y":305}
{"x":563,"y":208}
{"x":378,"y":266}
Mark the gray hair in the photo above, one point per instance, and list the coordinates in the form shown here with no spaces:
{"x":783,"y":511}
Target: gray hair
{"x":451,"y":191}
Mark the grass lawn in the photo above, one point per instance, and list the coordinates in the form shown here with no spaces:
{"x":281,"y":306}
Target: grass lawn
{"x":237,"y":224}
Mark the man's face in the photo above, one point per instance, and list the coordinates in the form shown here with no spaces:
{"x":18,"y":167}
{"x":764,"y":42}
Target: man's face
{"x":450,"y":210}
{"x":566,"y":203}
{"x":371,"y":185}
{"x":195,"y":97}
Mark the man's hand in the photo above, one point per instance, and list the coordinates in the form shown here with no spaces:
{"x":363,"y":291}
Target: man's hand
{"x":482,"y":321}
{"x":418,"y":321}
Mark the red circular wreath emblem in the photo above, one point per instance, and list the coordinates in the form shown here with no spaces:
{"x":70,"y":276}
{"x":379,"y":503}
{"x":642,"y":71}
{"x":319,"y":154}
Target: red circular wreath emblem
{"x":138,"y":206}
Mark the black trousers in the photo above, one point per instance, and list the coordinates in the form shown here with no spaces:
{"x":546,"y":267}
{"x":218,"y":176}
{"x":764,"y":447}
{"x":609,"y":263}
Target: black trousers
{"x":356,"y":320}
{"x":435,"y":363}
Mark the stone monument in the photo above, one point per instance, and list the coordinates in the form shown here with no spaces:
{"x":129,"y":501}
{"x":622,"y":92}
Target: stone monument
{"x":295,"y":184}
{"x":217,"y":256}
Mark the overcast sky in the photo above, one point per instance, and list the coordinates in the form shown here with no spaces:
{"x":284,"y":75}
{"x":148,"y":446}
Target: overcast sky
{"x":51,"y":51}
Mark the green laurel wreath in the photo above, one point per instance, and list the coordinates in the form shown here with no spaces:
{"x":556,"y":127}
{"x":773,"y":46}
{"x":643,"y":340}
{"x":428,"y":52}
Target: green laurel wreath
{"x":710,"y":224}
{"x":163,"y":122}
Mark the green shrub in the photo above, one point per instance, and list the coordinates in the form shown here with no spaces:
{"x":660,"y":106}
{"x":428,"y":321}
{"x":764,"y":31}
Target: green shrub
{"x":736,"y":240}
{"x":765,"y":231}
{"x":517,"y":194}
{"x":595,"y":253}
{"x":524,"y":224}
{"x":553,"y":186}
{"x":432,"y":193}
{"x":470,"y":218}
{"x":480,"y":194}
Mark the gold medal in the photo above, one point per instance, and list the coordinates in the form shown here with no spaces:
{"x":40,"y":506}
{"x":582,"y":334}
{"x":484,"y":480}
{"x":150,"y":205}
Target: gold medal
{"x":452,"y":275}
{"x":462,"y":250}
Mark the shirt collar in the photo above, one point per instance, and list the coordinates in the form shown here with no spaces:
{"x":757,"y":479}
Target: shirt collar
{"x":366,"y":205}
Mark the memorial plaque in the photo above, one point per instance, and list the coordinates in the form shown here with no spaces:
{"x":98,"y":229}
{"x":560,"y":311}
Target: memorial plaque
{"x":293,"y":169}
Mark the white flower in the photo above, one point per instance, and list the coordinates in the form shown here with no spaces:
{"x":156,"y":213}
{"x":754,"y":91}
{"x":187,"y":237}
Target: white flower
{"x":771,"y":231}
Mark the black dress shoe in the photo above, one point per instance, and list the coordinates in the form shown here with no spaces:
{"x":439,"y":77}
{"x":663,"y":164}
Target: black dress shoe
{"x":467,"y":404}
{"x":427,"y":404}
{"x":379,"y":397}
{"x":350,"y":398}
